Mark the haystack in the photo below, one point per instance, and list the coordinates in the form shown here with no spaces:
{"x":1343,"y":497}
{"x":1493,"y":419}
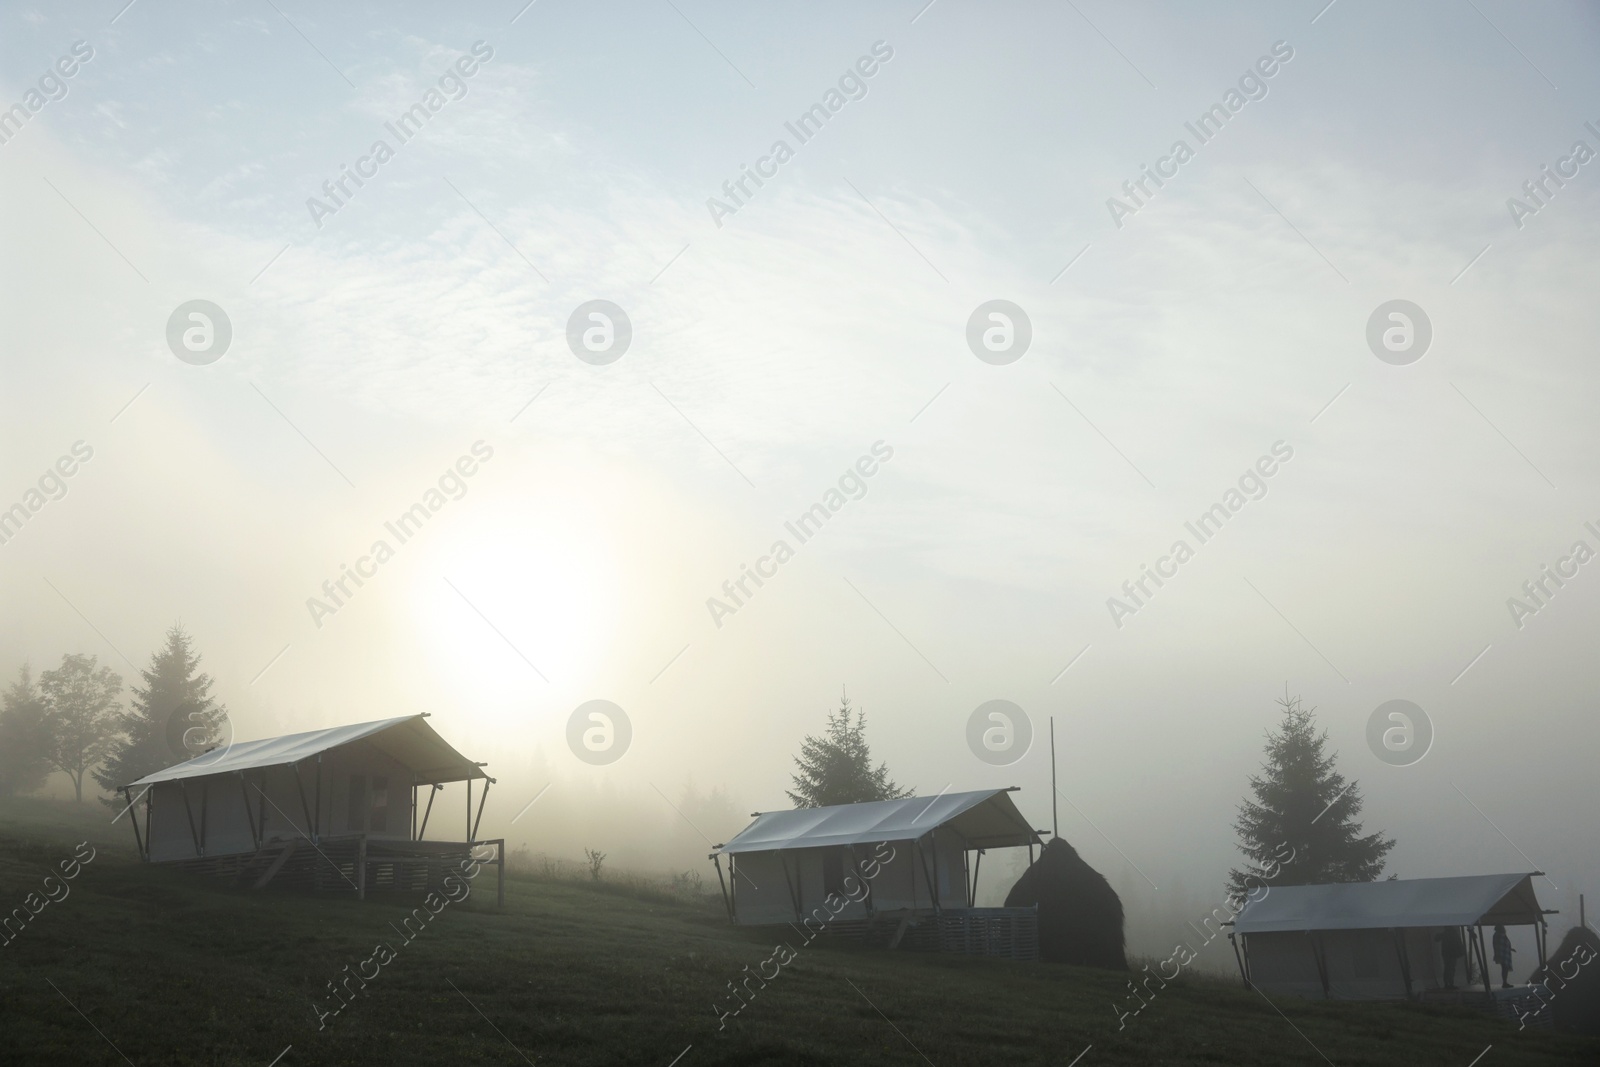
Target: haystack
{"x":1572,"y":977}
{"x":1080,"y":915}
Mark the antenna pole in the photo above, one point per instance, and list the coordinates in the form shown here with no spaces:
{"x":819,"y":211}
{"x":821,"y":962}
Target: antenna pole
{"x":1055,"y":823}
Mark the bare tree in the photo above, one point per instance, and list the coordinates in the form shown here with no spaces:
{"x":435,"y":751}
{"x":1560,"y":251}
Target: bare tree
{"x":81,"y":715}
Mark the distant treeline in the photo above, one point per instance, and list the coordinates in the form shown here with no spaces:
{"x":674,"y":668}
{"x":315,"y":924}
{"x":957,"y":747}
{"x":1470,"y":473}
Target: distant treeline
{"x":72,"y":719}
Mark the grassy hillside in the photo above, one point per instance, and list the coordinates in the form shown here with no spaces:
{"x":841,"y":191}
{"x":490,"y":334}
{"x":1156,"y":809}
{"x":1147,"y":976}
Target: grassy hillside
{"x":175,"y":971}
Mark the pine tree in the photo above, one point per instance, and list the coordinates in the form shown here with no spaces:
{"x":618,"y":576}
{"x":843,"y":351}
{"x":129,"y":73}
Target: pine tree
{"x":80,"y":715}
{"x":1302,"y":804}
{"x":173,"y":717}
{"x":23,"y":737}
{"x":836,"y":768}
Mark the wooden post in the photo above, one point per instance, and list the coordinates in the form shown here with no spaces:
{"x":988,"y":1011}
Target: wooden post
{"x":1055,"y":821}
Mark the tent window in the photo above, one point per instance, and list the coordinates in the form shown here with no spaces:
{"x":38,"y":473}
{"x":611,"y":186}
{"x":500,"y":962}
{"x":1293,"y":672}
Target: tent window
{"x":380,"y":805}
{"x":358,"y":802}
{"x":833,"y":871}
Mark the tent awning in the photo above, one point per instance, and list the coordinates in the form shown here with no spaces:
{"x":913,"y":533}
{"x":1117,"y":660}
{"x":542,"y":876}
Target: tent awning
{"x":408,"y":740}
{"x":986,"y":819}
{"x":1473,"y":900}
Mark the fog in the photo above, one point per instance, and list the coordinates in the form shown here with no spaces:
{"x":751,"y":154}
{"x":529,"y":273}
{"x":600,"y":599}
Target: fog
{"x":775,"y":345}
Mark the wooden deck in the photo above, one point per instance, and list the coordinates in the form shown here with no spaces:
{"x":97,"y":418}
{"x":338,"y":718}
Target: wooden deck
{"x":353,"y":863}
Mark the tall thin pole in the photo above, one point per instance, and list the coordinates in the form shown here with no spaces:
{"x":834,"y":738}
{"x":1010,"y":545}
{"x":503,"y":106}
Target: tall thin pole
{"x":1055,"y":821}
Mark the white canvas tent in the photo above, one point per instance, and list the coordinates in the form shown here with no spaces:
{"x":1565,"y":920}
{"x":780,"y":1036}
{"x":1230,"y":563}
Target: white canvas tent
{"x":1375,"y":940}
{"x":348,"y":794}
{"x":785,"y":863}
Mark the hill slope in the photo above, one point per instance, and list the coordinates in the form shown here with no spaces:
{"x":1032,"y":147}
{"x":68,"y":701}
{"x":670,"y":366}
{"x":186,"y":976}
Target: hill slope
{"x":172,"y":970}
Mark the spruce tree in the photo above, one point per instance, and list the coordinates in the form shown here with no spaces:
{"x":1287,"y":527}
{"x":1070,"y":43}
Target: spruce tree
{"x":24,"y":739}
{"x":836,"y":768}
{"x":1302,"y":803}
{"x":173,"y":717}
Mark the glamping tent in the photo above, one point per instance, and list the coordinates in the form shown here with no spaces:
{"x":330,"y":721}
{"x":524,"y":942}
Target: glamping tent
{"x":906,"y":862}
{"x":335,"y":808}
{"x":1376,"y":940}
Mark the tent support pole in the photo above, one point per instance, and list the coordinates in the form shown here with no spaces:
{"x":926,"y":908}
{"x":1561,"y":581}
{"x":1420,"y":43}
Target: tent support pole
{"x":977,"y":869}
{"x":261,"y":788}
{"x":361,"y":868}
{"x":733,"y":886}
{"x":413,"y":811}
{"x":933,"y":890}
{"x":793,"y":895}
{"x":487,"y":782}
{"x":1244,"y":973}
{"x":301,"y":787}
{"x":244,"y":793}
{"x":316,"y":829}
{"x":1322,"y":962}
{"x":726,"y":904}
{"x":433,"y":792}
{"x":183,"y":791}
{"x":127,"y":794}
{"x":469,"y":809}
{"x":205,"y":805}
{"x":866,"y":884}
{"x":1405,"y":960}
{"x":1483,"y":961}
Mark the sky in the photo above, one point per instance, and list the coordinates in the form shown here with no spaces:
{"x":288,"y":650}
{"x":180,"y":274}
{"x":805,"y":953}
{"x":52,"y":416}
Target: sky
{"x":1180,"y":335}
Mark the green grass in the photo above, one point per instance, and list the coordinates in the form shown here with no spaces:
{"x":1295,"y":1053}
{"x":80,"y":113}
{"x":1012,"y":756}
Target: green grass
{"x":174,"y":970}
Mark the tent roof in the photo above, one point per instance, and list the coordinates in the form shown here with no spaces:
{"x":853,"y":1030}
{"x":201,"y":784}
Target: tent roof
{"x":986,"y":819}
{"x":1473,"y":900}
{"x":408,"y":739}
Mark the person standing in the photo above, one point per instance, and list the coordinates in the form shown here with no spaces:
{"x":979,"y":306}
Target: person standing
{"x":1502,"y":955}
